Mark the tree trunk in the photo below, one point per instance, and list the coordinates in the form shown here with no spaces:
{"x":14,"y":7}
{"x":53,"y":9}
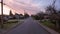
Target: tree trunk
{"x":57,"y":25}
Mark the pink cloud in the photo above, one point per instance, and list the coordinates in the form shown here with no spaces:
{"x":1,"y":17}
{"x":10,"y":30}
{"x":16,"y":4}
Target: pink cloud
{"x":21,"y":5}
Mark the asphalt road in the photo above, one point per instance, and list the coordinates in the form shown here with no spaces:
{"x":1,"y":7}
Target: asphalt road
{"x":28,"y":27}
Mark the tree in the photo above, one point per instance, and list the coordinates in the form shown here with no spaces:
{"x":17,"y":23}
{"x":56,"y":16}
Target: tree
{"x":41,"y":15}
{"x":10,"y":13}
{"x":53,"y":14}
{"x":52,"y":8}
{"x":21,"y":16}
{"x":26,"y":15}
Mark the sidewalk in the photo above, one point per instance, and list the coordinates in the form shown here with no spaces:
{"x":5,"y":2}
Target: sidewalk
{"x":48,"y":29}
{"x":14,"y":26}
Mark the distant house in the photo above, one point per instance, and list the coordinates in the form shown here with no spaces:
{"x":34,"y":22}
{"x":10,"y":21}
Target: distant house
{"x":21,"y":16}
{"x":16,"y":16}
{"x":5,"y":18}
{"x":46,"y":16}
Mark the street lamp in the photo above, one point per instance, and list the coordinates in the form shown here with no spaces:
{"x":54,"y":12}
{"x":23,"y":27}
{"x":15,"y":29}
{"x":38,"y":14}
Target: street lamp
{"x":1,"y":13}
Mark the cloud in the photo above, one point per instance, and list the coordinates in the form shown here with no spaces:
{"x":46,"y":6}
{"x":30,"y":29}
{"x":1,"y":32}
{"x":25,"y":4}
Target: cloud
{"x":19,"y":5}
{"x":31,"y":6}
{"x":6,"y":10}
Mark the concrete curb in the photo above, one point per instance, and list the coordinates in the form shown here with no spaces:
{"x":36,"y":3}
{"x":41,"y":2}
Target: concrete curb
{"x":48,"y":29}
{"x":42,"y":27}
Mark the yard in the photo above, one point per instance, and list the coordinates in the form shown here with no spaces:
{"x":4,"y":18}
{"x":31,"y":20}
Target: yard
{"x":11,"y":23}
{"x":50,"y":25}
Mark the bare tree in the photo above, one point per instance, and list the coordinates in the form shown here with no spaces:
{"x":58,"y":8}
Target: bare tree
{"x":52,"y":8}
{"x":53,"y":13}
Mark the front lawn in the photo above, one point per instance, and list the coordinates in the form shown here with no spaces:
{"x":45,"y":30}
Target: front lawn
{"x":10,"y":23}
{"x":50,"y":25}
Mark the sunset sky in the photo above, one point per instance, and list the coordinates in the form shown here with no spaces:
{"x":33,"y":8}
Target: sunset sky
{"x":30,"y":6}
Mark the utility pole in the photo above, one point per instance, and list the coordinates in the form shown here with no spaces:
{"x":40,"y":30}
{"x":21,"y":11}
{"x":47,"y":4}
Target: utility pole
{"x":1,"y":13}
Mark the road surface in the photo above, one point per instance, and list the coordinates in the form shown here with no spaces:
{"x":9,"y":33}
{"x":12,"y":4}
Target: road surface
{"x":28,"y":27}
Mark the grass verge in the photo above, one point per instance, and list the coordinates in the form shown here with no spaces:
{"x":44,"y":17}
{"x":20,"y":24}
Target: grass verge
{"x":10,"y":23}
{"x":50,"y":25}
